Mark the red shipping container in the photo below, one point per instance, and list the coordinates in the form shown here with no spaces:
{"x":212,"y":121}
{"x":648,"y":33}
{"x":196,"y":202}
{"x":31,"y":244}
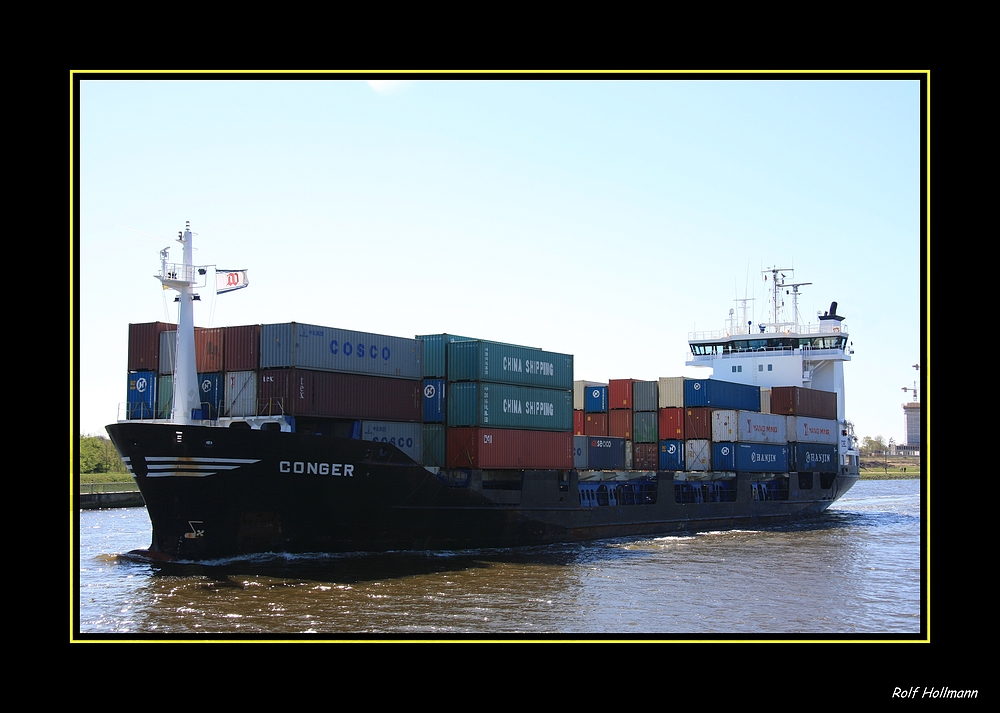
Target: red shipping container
{"x":798,"y":401}
{"x":671,"y":424}
{"x":698,"y":423}
{"x":595,"y":424}
{"x":242,"y":348}
{"x":144,"y":345}
{"x":620,"y":423}
{"x":509,"y":448}
{"x":620,"y":394}
{"x":646,"y":456}
{"x":578,"y":423}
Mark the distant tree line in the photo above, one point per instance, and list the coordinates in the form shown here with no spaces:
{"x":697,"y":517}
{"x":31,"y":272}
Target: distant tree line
{"x":98,"y":455}
{"x":872,"y":446}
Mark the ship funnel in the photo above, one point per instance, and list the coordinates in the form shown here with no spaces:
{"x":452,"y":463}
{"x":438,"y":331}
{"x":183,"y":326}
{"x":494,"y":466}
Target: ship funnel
{"x":833,"y":309}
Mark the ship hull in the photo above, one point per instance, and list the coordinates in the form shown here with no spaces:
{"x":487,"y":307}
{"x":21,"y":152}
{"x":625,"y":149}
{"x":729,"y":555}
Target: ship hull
{"x":222,"y":492}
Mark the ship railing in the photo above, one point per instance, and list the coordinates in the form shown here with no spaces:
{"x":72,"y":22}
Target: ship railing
{"x":769,"y":330}
{"x":177,"y":271}
{"x":271,"y":407}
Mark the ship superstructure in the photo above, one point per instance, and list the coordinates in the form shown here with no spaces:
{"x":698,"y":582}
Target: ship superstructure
{"x":783,"y":351}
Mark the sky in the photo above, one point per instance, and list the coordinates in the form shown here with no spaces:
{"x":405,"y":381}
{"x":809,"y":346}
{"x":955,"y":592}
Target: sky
{"x":605,"y":218}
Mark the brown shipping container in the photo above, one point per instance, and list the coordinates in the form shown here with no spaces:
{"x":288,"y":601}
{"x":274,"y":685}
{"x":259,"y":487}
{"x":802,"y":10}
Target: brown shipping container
{"x":698,"y":423}
{"x":620,"y":394}
{"x":302,"y":392}
{"x":671,"y":423}
{"x":509,"y":448}
{"x":645,"y":456}
{"x":620,"y":423}
{"x":208,"y":342}
{"x":242,"y":348}
{"x":595,"y":424}
{"x":797,"y":401}
{"x":578,"y":423}
{"x":144,"y":345}
{"x":286,"y":391}
{"x":208,"y":348}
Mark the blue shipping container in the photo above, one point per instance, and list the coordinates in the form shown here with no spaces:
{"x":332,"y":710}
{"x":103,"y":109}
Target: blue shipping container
{"x":141,"y":401}
{"x":211,"y":388}
{"x":756,"y":457}
{"x":813,"y":457}
{"x":671,"y":455}
{"x":595,"y":399}
{"x":434,"y":405}
{"x":723,"y":455}
{"x":721,"y":394}
{"x":605,"y":453}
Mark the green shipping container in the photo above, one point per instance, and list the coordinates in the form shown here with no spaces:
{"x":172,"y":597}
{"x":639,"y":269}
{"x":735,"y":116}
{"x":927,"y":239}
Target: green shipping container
{"x":509,"y":406}
{"x":434,"y":352}
{"x":434,"y":445}
{"x":509,"y":364}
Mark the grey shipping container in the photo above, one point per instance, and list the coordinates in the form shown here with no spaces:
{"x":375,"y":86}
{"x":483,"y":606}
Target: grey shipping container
{"x":241,"y":393}
{"x":308,"y":346}
{"x":644,"y":395}
{"x":407,"y":437}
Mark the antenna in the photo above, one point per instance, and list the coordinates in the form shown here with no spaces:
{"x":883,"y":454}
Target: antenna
{"x":778,"y":277}
{"x":914,"y":388}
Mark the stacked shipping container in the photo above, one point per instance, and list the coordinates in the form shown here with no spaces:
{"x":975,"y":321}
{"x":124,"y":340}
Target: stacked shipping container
{"x":508,"y":406}
{"x":460,"y":402}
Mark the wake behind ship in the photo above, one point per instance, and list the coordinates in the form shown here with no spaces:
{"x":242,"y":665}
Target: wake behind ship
{"x":303,"y":438}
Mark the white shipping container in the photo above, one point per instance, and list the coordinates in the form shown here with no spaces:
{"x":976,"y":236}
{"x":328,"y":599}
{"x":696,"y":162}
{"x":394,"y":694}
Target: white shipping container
{"x":754,"y":427}
{"x":724,"y":425}
{"x":407,"y":437}
{"x":805,"y":429}
{"x":765,"y":400}
{"x":671,"y":391}
{"x":698,"y":454}
{"x":240,"y":393}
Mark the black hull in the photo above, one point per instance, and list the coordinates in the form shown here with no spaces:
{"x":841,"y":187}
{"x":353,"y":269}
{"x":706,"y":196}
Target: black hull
{"x":222,"y":492}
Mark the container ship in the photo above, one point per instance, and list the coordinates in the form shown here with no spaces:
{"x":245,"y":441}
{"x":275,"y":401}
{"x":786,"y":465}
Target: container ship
{"x":304,"y":438}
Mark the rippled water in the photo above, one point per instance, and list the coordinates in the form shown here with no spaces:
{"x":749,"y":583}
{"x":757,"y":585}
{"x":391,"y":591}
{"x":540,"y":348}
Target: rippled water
{"x":855,"y":571}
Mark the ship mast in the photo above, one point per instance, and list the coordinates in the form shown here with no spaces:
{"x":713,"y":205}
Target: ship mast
{"x":777,"y":284}
{"x":182,"y":278}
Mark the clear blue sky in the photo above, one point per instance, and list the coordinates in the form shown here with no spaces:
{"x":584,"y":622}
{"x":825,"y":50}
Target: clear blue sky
{"x":606,"y":219}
